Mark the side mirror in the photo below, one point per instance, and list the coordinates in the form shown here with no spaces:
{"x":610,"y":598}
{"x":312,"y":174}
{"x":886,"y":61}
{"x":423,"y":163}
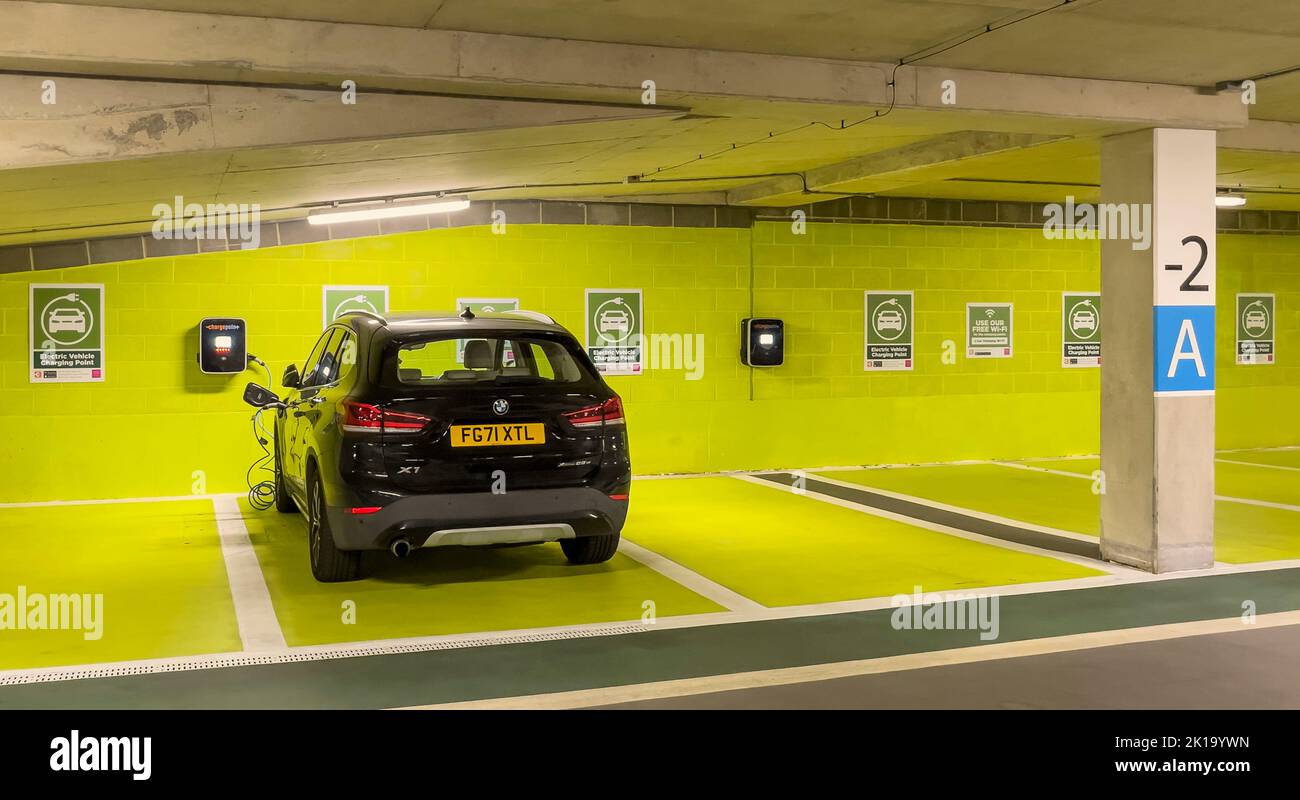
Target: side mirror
{"x":290,"y":379}
{"x":261,"y":397}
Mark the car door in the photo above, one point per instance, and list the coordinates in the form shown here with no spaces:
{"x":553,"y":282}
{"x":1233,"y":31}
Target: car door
{"x":295,"y":452}
{"x":320,"y":394}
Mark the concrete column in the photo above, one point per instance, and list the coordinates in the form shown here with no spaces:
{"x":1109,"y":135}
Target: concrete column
{"x":1157,"y":374}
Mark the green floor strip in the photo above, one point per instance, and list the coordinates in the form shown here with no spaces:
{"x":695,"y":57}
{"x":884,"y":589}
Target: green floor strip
{"x":452,"y":590}
{"x":781,"y":549}
{"x":158,"y":567}
{"x":446,"y":676}
{"x":921,"y":512}
{"x":1243,"y":533}
{"x":1053,"y":501}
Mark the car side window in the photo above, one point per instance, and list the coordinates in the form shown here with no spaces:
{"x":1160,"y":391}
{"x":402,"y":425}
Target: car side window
{"x":346,"y":356}
{"x":313,"y":358}
{"x":328,"y":371}
{"x":321,"y":371}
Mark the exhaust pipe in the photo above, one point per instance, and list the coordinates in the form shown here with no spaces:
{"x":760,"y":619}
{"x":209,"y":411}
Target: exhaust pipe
{"x":400,"y":548}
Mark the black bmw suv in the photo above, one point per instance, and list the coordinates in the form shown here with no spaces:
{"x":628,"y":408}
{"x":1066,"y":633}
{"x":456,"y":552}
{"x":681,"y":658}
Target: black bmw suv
{"x":425,"y":430}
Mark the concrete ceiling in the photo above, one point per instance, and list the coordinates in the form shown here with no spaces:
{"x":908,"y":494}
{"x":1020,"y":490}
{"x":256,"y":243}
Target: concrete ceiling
{"x":1162,"y":41}
{"x":263,"y":131}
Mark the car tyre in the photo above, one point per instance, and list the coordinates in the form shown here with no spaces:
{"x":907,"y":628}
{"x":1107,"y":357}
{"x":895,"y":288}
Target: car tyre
{"x":283,"y":502}
{"x":328,"y":563}
{"x":590,"y":549}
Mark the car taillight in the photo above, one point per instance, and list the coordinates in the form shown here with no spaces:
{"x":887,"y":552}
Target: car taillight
{"x":365,"y":418}
{"x":609,"y":412}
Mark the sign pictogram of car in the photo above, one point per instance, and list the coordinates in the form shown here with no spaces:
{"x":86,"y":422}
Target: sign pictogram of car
{"x":1084,"y":320}
{"x":1256,"y":320}
{"x":67,"y":319}
{"x":613,"y":320}
{"x":889,"y":320}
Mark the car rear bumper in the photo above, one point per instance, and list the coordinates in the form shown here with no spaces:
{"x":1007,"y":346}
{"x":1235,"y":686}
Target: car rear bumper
{"x":530,"y":515}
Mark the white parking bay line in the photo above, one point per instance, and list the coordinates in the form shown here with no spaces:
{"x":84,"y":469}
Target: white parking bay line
{"x":968,"y":512}
{"x":107,"y":501}
{"x":1064,"y":473}
{"x":1220,"y":497}
{"x":1118,"y":571}
{"x":258,"y":628}
{"x":1255,"y":464}
{"x":1250,"y":502}
{"x":732,"y":601}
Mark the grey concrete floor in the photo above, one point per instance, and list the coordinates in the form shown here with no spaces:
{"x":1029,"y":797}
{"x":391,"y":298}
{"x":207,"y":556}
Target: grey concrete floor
{"x":1252,"y":668}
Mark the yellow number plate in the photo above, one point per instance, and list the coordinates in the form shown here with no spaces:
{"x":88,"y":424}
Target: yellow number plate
{"x":521,"y":433}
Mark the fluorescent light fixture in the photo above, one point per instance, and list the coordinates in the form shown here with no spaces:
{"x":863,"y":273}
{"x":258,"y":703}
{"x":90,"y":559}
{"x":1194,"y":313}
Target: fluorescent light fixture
{"x":387,"y":211}
{"x":1229,"y":200}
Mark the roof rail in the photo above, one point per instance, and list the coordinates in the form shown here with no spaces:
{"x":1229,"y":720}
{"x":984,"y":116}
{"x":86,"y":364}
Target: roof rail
{"x":378,"y":317}
{"x":536,"y":316}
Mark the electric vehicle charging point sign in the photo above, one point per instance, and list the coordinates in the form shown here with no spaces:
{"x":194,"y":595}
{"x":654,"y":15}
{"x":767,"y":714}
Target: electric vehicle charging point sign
{"x":339,"y":300}
{"x":66,"y":332}
{"x":1080,"y":330}
{"x":889,"y":331}
{"x":614,"y":326}
{"x":1256,"y":337}
{"x":482,"y":305}
{"x":988,"y":330}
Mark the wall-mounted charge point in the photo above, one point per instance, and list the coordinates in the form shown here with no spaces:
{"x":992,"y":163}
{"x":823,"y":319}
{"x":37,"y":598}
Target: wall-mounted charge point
{"x":223,"y":345}
{"x":762,"y":342}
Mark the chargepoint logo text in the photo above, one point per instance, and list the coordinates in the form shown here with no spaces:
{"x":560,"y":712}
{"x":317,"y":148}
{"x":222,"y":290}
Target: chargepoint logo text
{"x":1099,"y":221}
{"x":231,"y":222}
{"x":77,"y":753}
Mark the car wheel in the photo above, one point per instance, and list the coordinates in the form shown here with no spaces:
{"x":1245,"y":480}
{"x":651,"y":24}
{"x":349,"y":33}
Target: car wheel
{"x":590,"y":549}
{"x":328,"y":563}
{"x":283,"y":502}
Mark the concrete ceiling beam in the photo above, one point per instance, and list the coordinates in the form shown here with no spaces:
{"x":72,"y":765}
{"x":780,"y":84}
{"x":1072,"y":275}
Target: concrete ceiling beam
{"x":1261,"y":135}
{"x":53,"y":37}
{"x":899,"y":166}
{"x":109,"y":120}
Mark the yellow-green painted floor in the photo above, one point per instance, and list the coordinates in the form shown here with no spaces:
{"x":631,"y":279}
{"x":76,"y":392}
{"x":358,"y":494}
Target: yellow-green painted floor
{"x":1244,"y":533}
{"x":781,"y":549}
{"x":160,"y":570}
{"x":157,"y":565}
{"x":1257,"y":483}
{"x":1247,"y":475}
{"x":453,"y":590}
{"x":1289,"y":457}
{"x":1244,"y":480}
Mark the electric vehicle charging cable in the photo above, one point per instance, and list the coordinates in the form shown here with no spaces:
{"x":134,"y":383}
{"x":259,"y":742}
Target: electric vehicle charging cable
{"x":261,"y":494}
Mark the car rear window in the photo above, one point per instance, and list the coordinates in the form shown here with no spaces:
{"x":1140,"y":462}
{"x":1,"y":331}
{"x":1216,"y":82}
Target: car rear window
{"x":496,"y":359}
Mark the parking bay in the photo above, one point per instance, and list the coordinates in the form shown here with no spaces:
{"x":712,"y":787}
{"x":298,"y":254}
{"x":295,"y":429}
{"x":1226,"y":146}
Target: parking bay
{"x":1245,"y":532}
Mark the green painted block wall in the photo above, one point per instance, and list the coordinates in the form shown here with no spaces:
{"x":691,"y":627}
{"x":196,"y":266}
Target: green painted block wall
{"x":158,"y":427}
{"x":1258,"y":406}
